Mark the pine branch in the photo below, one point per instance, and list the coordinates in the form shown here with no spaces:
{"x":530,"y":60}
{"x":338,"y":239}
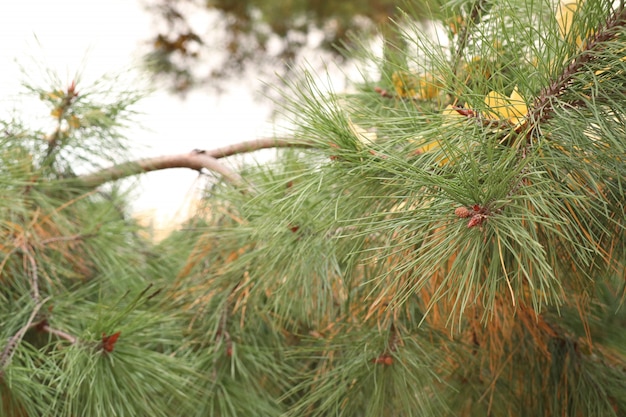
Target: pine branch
{"x":44,"y":327}
{"x":258,"y":144}
{"x":196,"y":160}
{"x":542,"y":109}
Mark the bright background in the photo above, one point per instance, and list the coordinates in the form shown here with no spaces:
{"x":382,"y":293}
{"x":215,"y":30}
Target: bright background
{"x":96,"y":37}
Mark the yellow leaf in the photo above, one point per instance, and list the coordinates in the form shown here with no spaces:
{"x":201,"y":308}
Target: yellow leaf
{"x":362,"y":135}
{"x":509,"y":108}
{"x":478,"y":67}
{"x":74,"y":122}
{"x":56,"y":112}
{"x":566,"y":10}
{"x":52,"y":95}
{"x":404,"y":83}
{"x":423,"y":87}
{"x":429,"y":87}
{"x":430,"y":146}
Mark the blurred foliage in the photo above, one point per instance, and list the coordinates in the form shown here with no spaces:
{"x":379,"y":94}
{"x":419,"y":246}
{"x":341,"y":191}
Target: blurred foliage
{"x":257,"y":38}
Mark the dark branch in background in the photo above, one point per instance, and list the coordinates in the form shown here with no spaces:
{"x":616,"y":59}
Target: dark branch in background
{"x":542,"y":108}
{"x":196,"y":160}
{"x":479,"y":8}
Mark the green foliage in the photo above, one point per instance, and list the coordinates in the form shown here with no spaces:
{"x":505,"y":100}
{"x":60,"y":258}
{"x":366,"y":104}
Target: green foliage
{"x":453,"y":243}
{"x":449,"y":242}
{"x":73,"y":274}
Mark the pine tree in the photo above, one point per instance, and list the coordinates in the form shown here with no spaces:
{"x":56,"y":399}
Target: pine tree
{"x":444,"y":241}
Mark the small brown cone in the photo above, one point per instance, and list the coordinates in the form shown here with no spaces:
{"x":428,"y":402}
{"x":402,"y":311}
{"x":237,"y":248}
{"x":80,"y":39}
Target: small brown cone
{"x":462,"y":212}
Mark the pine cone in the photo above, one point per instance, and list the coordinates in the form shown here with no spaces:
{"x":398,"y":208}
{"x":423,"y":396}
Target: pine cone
{"x":462,"y":212}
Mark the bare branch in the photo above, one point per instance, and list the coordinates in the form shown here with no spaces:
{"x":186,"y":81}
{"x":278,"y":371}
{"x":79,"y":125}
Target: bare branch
{"x":196,"y":160}
{"x":60,"y":334}
{"x":34,"y":277}
{"x":66,"y":238}
{"x":257,"y":144}
{"x":193,"y":160}
{"x":34,"y":282}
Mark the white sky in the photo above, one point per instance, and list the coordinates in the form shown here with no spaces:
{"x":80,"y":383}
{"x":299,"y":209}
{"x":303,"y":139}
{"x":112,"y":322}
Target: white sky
{"x":103,"y":36}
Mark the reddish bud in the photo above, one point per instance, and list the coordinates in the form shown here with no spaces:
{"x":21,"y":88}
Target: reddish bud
{"x":465,"y":112}
{"x":71,"y":90}
{"x":382,"y":92}
{"x":108,"y":342}
{"x":476,"y":220}
{"x":384,"y":359}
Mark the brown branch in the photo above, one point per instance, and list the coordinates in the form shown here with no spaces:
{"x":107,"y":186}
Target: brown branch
{"x":196,"y":160}
{"x":58,"y":333}
{"x":34,"y":276}
{"x":542,"y":108}
{"x":257,"y":144}
{"x":66,"y":238}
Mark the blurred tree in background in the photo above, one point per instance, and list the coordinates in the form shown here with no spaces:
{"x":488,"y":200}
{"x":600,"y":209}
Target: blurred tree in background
{"x":447,"y":240}
{"x":257,"y":38}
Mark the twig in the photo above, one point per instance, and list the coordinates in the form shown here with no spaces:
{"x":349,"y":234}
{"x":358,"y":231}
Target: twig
{"x":61,"y":334}
{"x":196,"y":160}
{"x":66,"y":238}
{"x":476,"y":12}
{"x":34,"y":279}
{"x":257,"y":144}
